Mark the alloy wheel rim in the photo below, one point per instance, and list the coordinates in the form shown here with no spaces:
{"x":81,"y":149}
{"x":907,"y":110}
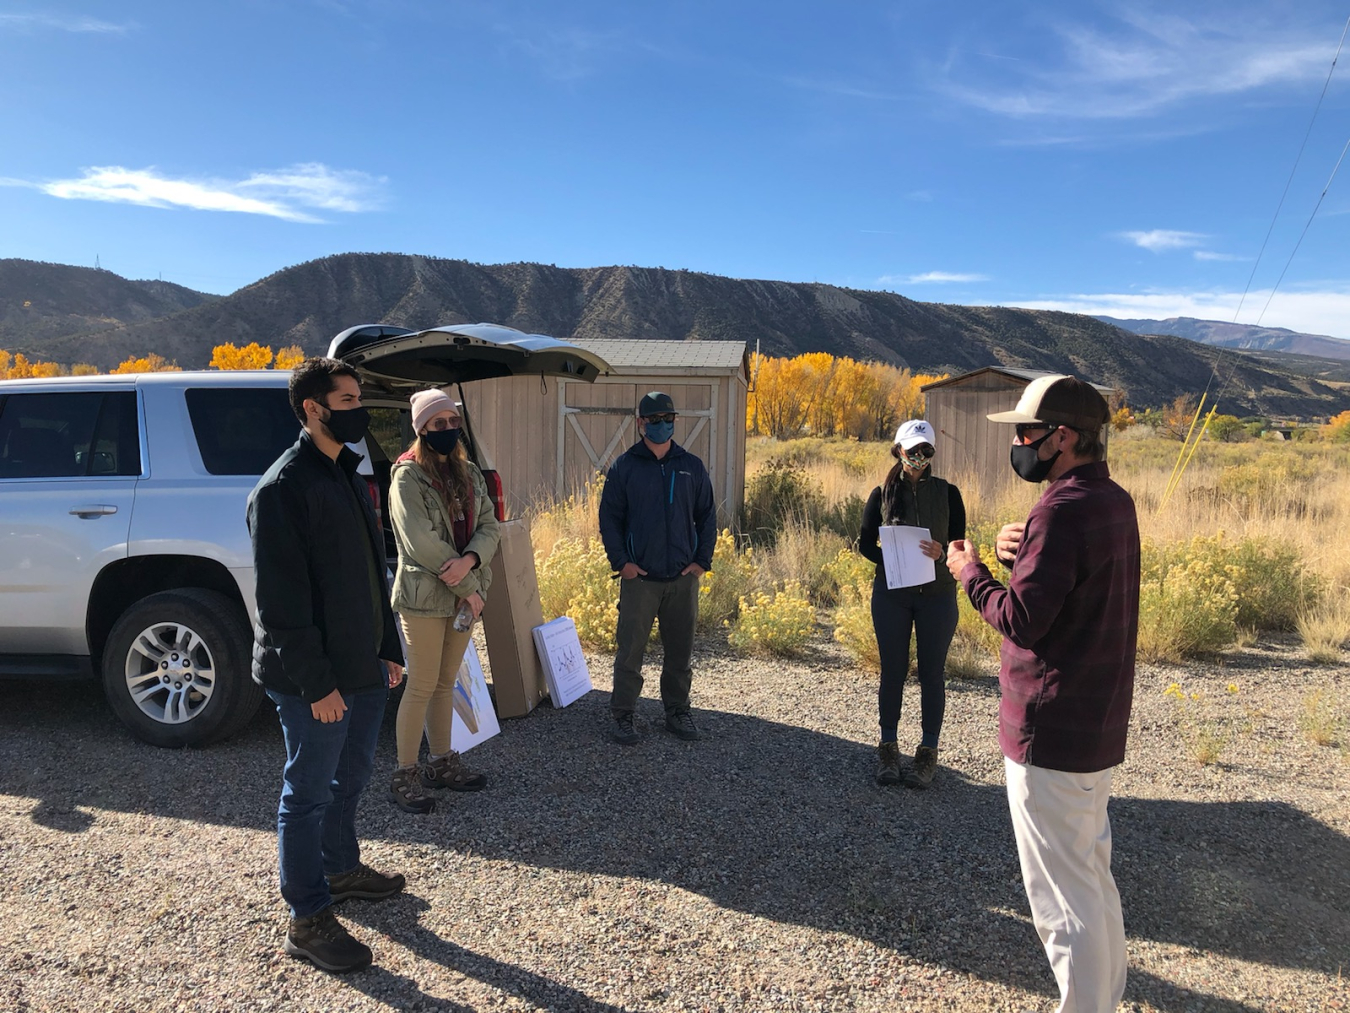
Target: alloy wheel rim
{"x":170,"y":673}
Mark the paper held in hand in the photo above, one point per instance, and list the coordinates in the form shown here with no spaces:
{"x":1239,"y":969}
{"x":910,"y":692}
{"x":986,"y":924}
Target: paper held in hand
{"x":564,"y":665}
{"x":906,"y":565}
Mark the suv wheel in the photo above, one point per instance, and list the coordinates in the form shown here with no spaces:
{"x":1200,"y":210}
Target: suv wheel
{"x":177,"y":668}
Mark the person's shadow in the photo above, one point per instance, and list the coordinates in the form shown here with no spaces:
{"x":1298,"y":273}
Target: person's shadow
{"x":775,"y":820}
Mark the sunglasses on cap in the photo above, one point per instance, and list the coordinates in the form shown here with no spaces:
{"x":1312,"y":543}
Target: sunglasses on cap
{"x":667,"y":417}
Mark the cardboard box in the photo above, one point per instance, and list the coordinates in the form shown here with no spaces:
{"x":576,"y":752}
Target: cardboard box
{"x":511,"y":613}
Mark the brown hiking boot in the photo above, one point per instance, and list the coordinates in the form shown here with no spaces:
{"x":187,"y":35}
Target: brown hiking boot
{"x":323,"y":941}
{"x":449,"y":771}
{"x":925,"y":765}
{"x":405,"y":790}
{"x":888,"y":763}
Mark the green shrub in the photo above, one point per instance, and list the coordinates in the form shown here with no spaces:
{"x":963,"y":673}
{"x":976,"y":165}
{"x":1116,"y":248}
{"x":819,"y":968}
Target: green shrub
{"x":780,"y":492}
{"x":731,"y":577}
{"x":575,"y":581}
{"x":1273,"y":586}
{"x":774,"y":623}
{"x":975,"y":645}
{"x":845,"y":517}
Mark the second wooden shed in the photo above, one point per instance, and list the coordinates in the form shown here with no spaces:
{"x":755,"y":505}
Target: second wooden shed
{"x":972,"y":450}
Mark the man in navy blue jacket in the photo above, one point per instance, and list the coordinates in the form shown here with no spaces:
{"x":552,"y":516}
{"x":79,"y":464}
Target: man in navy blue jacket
{"x":659,"y":527}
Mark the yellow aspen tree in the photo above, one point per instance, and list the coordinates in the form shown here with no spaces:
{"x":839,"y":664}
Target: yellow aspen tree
{"x":152,"y":363}
{"x":289,"y":357}
{"x":250,"y":356}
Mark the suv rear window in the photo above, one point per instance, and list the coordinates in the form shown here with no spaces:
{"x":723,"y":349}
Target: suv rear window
{"x":241,"y":431}
{"x":73,"y":434}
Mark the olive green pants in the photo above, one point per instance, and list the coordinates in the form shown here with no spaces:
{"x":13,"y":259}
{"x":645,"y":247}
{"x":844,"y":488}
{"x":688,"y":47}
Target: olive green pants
{"x":435,"y":652}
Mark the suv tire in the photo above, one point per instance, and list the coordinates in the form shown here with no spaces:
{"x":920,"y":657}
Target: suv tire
{"x":177,"y":668}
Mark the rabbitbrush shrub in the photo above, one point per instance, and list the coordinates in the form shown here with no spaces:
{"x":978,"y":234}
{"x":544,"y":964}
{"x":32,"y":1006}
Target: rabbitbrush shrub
{"x":1188,"y":600}
{"x":775,"y":623}
{"x":721,"y":589}
{"x":574,"y":581}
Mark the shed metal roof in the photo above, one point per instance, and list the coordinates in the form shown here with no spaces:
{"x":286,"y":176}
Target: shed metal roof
{"x":1017,"y":374}
{"x":639,"y":353}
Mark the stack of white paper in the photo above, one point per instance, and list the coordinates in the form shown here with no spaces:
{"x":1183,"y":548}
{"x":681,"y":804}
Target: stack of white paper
{"x":906,"y":565}
{"x":564,"y":665}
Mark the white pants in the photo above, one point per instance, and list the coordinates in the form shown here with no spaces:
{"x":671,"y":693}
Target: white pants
{"x":1064,"y":845}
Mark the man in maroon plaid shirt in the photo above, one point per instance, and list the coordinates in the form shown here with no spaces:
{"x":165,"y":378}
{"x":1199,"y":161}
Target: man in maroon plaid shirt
{"x":1069,"y":616}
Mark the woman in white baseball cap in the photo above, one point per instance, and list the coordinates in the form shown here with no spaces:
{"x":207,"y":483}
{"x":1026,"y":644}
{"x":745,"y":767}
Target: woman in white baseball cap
{"x":926,"y":613}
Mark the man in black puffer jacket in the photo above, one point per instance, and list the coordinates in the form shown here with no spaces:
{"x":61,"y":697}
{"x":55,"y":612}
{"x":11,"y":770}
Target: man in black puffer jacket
{"x":659,"y":526}
{"x":326,"y":650}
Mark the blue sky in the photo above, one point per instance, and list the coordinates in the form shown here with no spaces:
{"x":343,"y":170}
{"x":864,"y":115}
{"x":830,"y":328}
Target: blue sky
{"x":1109,"y":157}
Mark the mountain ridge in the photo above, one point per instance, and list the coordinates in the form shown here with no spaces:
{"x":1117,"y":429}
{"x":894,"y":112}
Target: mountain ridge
{"x":308,"y":303}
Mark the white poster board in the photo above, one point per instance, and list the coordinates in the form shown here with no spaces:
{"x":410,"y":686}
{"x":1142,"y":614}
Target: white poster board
{"x":474,"y":720}
{"x":564,"y":665}
{"x":906,"y":565}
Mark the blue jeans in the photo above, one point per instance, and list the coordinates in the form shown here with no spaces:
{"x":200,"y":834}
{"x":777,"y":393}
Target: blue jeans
{"x":327,"y":768}
{"x":930,"y":615}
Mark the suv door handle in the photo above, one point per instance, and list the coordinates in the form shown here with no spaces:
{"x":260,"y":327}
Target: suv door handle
{"x":92,"y":510}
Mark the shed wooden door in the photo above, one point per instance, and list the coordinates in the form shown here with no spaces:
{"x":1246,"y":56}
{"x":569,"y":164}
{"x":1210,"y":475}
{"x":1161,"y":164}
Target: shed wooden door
{"x":597,"y":423}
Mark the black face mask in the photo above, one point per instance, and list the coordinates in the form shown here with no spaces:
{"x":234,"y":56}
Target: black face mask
{"x":443,"y":441}
{"x":1027,"y":464}
{"x":349,"y":425}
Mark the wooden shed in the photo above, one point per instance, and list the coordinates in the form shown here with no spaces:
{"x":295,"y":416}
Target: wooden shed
{"x":971,"y":449}
{"x":550,"y":437}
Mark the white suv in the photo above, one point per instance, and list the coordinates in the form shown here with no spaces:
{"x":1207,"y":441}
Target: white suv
{"x":123,"y":548}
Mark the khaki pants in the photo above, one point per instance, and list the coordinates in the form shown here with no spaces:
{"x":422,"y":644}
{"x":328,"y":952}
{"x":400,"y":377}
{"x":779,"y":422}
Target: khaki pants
{"x":435,"y":652}
{"x":1064,"y":844}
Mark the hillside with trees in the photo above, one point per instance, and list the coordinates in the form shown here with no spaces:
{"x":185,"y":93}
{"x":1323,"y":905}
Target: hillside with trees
{"x":307,"y":304}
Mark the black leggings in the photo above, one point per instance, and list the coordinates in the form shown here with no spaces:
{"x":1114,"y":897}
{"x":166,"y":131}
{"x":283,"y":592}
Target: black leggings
{"x":931,"y":614}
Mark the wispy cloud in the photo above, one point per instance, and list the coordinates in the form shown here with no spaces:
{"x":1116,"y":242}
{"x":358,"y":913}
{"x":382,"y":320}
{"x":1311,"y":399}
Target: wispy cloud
{"x":1312,"y":311}
{"x":1146,"y":61}
{"x":929,"y":278}
{"x":292,"y":194}
{"x":1158,"y":240}
{"x":565,"y":54}
{"x":921,"y":196}
{"x":58,"y":23}
{"x":1211,"y":255}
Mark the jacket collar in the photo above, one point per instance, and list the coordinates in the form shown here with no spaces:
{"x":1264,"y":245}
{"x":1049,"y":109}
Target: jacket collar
{"x":347,"y":459}
{"x":642,"y":450}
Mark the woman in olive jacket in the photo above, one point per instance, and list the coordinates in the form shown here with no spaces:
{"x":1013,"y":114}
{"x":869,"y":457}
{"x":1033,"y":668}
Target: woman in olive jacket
{"x":912,"y":496}
{"x":446,"y":529}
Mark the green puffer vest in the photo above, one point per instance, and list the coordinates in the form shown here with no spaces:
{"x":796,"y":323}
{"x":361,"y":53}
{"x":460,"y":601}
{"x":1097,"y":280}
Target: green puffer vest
{"x":925,"y":505}
{"x":424,"y":533}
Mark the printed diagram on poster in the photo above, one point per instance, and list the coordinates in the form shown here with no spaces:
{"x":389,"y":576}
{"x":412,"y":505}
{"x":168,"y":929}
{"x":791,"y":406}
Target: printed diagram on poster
{"x":906,"y":565}
{"x":564,"y":665}
{"x":474,"y":720}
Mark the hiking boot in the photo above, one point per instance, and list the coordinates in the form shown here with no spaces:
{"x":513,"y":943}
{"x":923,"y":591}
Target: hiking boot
{"x":323,"y":941}
{"x":364,"y":883}
{"x":449,"y":771}
{"x":681,"y":725}
{"x":925,"y":765}
{"x":888,"y":763}
{"x":622,"y":730}
{"x":405,"y":789}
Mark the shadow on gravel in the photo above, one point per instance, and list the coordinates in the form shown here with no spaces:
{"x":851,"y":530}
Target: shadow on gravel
{"x":761,"y":817}
{"x":390,"y":918}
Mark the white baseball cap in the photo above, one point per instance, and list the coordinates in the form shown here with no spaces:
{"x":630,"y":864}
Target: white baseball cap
{"x":914,"y":433}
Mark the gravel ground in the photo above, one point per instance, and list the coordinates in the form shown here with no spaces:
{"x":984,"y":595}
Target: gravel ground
{"x":758,"y":869}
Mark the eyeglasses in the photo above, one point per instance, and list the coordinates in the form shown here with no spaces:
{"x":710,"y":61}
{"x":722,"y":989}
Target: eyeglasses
{"x":439,"y":425}
{"x":1025,"y":428}
{"x":667,"y":417}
